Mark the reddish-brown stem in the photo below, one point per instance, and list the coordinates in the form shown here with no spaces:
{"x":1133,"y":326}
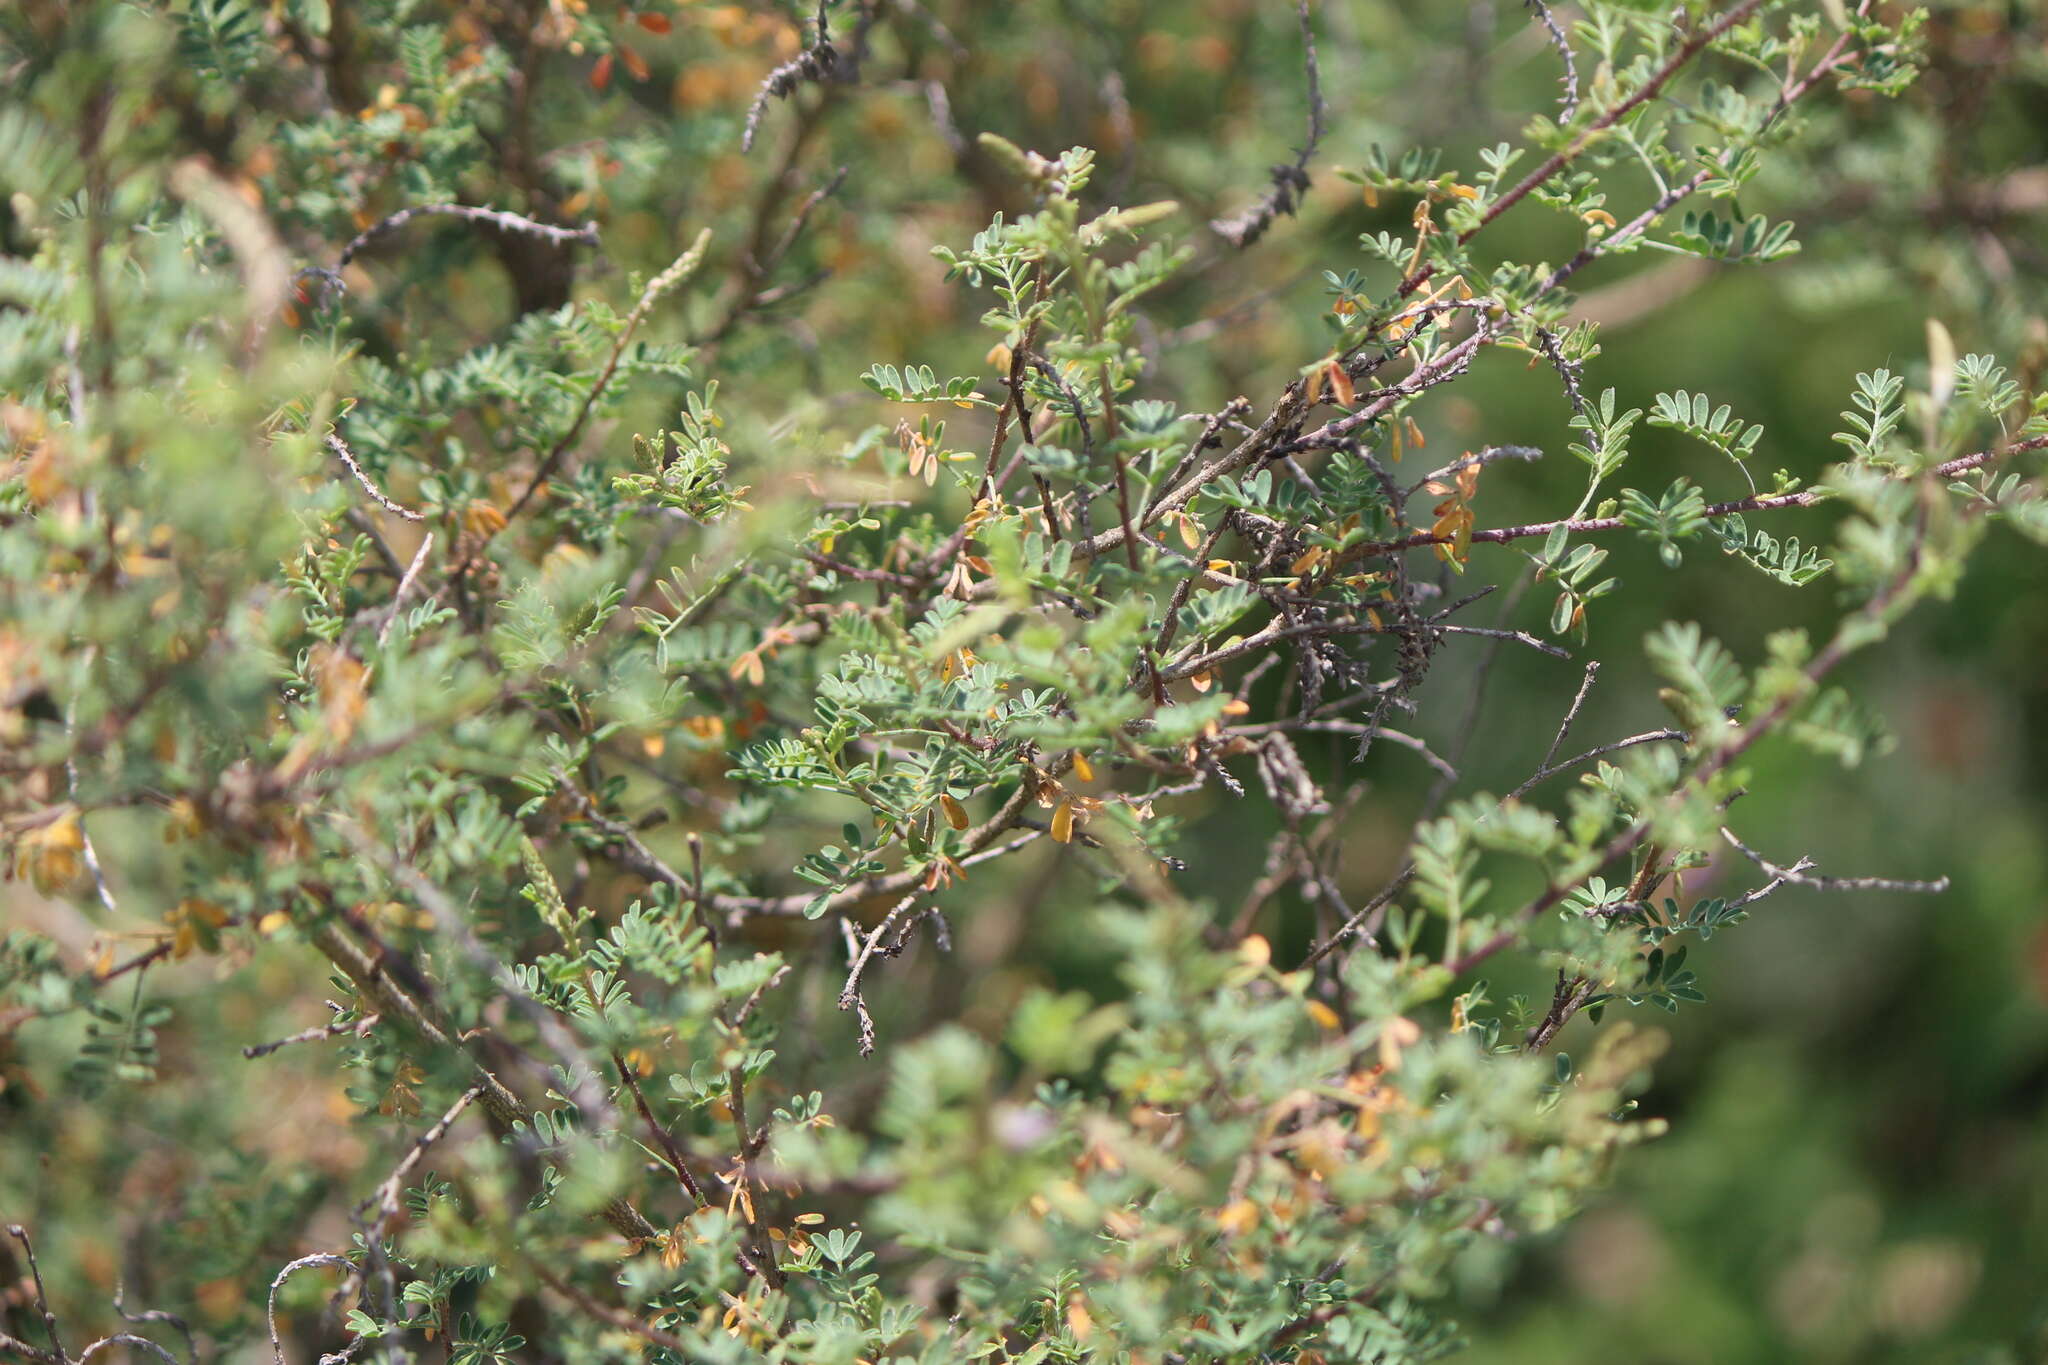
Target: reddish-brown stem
{"x":1687,"y":50}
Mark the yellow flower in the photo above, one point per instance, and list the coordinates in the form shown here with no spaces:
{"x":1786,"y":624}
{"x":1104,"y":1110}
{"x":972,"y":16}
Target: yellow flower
{"x":192,"y":923}
{"x":52,"y":855}
{"x":1238,"y":1217}
{"x":481,"y":518}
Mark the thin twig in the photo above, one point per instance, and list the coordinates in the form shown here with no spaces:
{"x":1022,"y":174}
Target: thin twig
{"x":684,"y":266}
{"x":754,"y":998}
{"x":1797,"y":875}
{"x":812,"y":64}
{"x":35,"y":1355}
{"x":850,"y":996}
{"x":1567,"y":999}
{"x":603,"y":1312}
{"x":1290,"y":179}
{"x":362,"y":476}
{"x":126,"y":1339}
{"x":1203,"y":662}
{"x":1365,"y":923}
{"x":303,"y":1263}
{"x":1807,"y":497}
{"x":1477,"y":460}
{"x":385,"y":1200}
{"x":1836,"y":56}
{"x":677,"y":1165}
{"x":35,"y":1271}
{"x":404,"y":589}
{"x":1851,"y":634}
{"x":320,"y":1033}
{"x":1701,"y":38}
{"x":1570,"y":79}
{"x":172,"y":1320}
{"x":501,"y":219}
{"x":1571,"y":714}
{"x":1550,"y":770}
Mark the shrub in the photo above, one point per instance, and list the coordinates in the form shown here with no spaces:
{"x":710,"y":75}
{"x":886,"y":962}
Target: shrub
{"x":413,"y":607}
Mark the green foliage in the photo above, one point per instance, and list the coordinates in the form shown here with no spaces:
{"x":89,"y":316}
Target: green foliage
{"x":552,"y":647}
{"x":1679,"y":513}
{"x":1719,"y":428}
{"x":1791,"y":563}
{"x":1726,"y":239}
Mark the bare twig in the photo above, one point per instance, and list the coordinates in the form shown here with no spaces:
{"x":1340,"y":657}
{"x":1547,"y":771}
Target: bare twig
{"x":171,"y":1320}
{"x":1569,"y":101}
{"x":1797,"y":874}
{"x":126,"y":1339}
{"x":743,"y":294}
{"x":604,"y":1312}
{"x":1567,"y":999}
{"x":1571,"y":713}
{"x":35,"y":1271}
{"x":320,"y":1033}
{"x":303,"y":1263}
{"x":501,"y":219}
{"x":1365,"y":923}
{"x":677,"y":1166}
{"x":1478,"y":460}
{"x":35,"y":1355}
{"x":1550,"y":770}
{"x":377,"y":495}
{"x":1839,"y":54}
{"x":404,"y":589}
{"x":850,"y":996}
{"x":753,"y":999}
{"x":813,"y":64}
{"x":1290,"y":179}
{"x":1279,"y":630}
{"x":385,"y":1199}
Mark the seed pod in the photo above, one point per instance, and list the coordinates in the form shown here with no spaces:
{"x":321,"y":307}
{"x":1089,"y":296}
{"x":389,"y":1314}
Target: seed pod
{"x":1340,"y":384}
